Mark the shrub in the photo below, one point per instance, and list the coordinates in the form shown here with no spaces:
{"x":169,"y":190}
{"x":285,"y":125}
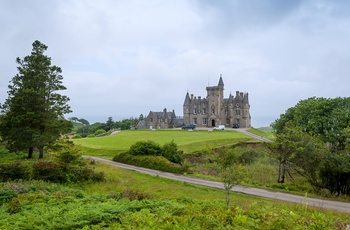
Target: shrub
{"x":91,"y":135}
{"x":13,"y":171}
{"x":248,"y":157}
{"x":67,"y":166}
{"x":77,"y":136}
{"x":145,"y":148}
{"x":99,"y":131}
{"x":48,"y":171}
{"x":152,"y":162}
{"x":170,"y":152}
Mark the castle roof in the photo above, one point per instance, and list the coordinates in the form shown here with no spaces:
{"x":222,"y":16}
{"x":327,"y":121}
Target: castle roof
{"x":187,"y":99}
{"x":221,"y":82}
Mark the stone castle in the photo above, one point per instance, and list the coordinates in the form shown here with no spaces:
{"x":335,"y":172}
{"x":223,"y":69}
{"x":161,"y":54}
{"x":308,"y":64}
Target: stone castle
{"x":209,"y":111}
{"x":216,"y":110}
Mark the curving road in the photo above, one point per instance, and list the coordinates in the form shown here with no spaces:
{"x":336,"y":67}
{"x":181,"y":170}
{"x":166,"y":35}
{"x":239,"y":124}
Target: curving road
{"x":319,"y":203}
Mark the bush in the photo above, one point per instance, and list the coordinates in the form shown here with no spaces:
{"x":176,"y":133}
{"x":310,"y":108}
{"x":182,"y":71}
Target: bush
{"x":170,"y":152}
{"x":248,"y":157}
{"x":48,"y":171}
{"x":145,"y":148}
{"x":99,"y":131}
{"x":77,"y":136}
{"x":68,"y":166}
{"x":14,"y":171}
{"x":152,"y":162}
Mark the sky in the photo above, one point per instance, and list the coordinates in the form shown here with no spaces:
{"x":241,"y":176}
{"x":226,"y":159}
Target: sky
{"x":123,"y":58}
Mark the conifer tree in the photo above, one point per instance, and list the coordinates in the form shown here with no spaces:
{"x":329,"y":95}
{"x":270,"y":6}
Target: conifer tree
{"x":32,"y":115}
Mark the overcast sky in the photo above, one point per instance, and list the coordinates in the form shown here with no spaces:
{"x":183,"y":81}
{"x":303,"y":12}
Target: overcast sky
{"x":123,"y":58}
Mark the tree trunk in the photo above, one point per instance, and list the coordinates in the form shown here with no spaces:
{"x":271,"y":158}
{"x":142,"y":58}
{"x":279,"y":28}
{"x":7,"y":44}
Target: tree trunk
{"x":41,"y":152}
{"x":30,"y":153}
{"x":281,"y":172}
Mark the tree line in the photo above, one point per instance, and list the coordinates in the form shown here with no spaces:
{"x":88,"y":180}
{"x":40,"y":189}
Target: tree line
{"x":94,"y":129}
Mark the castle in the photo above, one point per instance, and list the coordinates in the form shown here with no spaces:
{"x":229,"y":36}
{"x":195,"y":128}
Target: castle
{"x":216,"y":110}
{"x":210,"y":111}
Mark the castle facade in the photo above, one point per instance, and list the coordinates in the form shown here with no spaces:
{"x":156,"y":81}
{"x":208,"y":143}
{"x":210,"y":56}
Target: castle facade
{"x":214,"y":109}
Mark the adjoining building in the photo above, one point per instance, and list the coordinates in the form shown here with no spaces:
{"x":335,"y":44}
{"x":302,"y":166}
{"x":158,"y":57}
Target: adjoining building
{"x":215,"y":110}
{"x":160,"y":120}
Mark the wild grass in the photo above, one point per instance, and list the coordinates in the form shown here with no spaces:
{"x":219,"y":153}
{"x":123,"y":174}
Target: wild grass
{"x":164,"y":204}
{"x":187,"y":141}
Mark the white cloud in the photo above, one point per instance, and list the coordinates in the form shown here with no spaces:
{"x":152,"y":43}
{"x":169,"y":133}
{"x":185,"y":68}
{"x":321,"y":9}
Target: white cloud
{"x":124,"y":58}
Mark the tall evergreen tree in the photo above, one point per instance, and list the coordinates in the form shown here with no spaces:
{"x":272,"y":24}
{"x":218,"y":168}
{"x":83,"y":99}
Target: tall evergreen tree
{"x":33,"y":112}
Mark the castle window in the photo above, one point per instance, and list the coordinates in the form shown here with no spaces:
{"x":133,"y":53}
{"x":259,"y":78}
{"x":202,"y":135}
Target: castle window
{"x":238,"y":112}
{"x":151,"y":120}
{"x":194,"y":111}
{"x":194,"y":121}
{"x":204,"y":121}
{"x":204,"y":111}
{"x":226,"y":113}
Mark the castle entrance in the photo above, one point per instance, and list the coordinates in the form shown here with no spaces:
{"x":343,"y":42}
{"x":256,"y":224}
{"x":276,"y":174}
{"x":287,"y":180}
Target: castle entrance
{"x":213,"y":122}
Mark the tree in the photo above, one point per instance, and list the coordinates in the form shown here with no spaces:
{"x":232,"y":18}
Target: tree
{"x":33,"y":112}
{"x":324,"y":118}
{"x":298,"y":151}
{"x":109,"y":124}
{"x":231,"y":172}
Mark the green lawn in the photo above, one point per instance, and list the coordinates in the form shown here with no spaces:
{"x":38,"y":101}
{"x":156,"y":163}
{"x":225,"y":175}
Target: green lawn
{"x":186,"y":140}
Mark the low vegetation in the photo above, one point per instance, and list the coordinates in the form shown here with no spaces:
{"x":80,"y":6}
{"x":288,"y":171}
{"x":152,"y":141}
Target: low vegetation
{"x":129,"y":200}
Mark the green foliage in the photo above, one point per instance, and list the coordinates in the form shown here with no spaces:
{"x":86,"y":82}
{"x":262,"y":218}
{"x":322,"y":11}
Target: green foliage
{"x":13,"y":171}
{"x":77,"y":136}
{"x":99,"y":131}
{"x":145,"y":148}
{"x":170,"y":152}
{"x":231,"y":172}
{"x":48,"y":171}
{"x":297,"y":150}
{"x":150,"y":203}
{"x":324,"y":118}
{"x":335,"y":173}
{"x":248,"y":157}
{"x":7,"y":195}
{"x":33,"y":110}
{"x":132,"y":194}
{"x":152,"y":162}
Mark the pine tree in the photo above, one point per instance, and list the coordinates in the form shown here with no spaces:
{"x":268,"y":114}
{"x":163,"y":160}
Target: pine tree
{"x":33,"y":112}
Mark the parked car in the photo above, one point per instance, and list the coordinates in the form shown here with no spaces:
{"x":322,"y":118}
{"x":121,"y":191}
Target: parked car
{"x":219,"y":127}
{"x":235,"y":126}
{"x":188,"y":126}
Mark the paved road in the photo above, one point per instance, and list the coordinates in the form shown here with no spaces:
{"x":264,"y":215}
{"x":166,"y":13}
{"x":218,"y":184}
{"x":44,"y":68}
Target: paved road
{"x":320,"y":203}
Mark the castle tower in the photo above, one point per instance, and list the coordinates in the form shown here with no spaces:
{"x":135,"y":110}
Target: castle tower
{"x":215,"y":98}
{"x":187,"y":109}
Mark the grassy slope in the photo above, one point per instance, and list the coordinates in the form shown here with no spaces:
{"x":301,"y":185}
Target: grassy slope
{"x":186,"y":141}
{"x":263,"y":132}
